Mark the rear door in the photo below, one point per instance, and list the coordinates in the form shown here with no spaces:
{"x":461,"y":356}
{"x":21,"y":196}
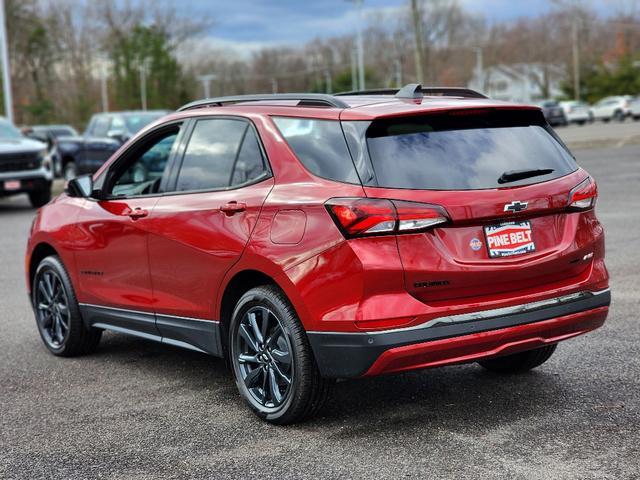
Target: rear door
{"x":508,"y":230}
{"x":201,"y":228}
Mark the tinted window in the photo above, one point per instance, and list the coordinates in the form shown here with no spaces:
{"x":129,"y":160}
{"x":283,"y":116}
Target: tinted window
{"x":143,"y":172}
{"x":320,"y":146}
{"x":7,"y":130}
{"x":221,"y":153}
{"x":100,"y":126}
{"x":249,"y":164}
{"x":135,"y":122}
{"x":452,"y":152}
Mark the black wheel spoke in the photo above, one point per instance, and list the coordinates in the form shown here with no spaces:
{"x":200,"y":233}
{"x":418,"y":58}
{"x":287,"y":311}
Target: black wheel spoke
{"x":246,"y":336}
{"x":246,"y":358}
{"x":264,"y":314}
{"x":48,"y":285}
{"x":277,"y":332}
{"x":257,"y":334}
{"x":274,"y":388}
{"x":280,"y":373}
{"x":43,"y":291}
{"x":251,"y":380}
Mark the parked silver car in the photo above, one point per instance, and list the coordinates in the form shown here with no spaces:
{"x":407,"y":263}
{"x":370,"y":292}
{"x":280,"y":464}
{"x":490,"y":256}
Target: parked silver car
{"x":576,"y":111}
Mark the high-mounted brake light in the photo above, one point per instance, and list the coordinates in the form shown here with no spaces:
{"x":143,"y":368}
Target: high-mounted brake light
{"x":583,"y":196}
{"x":358,"y":217}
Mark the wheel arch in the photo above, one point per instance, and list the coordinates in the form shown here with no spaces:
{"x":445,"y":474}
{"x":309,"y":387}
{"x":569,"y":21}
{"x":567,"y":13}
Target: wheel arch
{"x":41,"y":251}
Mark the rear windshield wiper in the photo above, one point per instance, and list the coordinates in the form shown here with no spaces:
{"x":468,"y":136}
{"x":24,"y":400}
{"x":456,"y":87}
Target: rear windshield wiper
{"x":514,"y":175}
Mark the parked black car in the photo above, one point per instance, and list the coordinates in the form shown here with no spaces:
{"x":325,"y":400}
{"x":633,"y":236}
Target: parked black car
{"x":50,"y":134}
{"x":553,"y":112}
{"x":105,"y":133}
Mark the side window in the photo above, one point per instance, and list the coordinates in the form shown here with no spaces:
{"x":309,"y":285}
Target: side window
{"x":100,"y":126}
{"x":220,"y":153}
{"x":250,"y":163}
{"x":321,"y":147}
{"x":118,"y":124}
{"x":142,"y":172}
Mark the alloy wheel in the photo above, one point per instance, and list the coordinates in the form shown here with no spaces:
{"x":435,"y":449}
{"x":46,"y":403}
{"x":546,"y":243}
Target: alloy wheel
{"x":263,"y":358}
{"x":52,"y":307}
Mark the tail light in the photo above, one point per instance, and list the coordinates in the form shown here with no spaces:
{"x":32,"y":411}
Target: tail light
{"x":584,"y":195}
{"x":359,"y":217}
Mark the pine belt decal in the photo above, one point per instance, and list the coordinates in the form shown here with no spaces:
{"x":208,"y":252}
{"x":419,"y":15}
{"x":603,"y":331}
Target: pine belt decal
{"x":509,"y":239}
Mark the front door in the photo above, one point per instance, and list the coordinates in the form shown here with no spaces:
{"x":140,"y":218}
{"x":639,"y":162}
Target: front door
{"x":113,"y":257}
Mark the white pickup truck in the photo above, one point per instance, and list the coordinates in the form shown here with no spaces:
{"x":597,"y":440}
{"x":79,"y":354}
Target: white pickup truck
{"x":25,"y":166}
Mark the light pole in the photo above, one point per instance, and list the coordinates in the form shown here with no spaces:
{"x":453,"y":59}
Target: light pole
{"x":6,"y":73}
{"x":143,"y":83}
{"x":104,"y":92}
{"x":479,"y":68}
{"x":206,"y":79}
{"x":359,"y":45}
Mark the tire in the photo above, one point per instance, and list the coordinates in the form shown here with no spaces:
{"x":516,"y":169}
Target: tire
{"x":519,"y":362}
{"x":40,"y":198}
{"x":260,"y":374}
{"x":619,"y":116}
{"x":70,"y":171}
{"x":52,"y":281}
{"x":636,"y":118}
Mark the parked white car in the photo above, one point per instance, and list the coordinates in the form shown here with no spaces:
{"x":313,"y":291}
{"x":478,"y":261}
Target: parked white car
{"x":634,"y":108}
{"x":612,"y":108}
{"x":576,"y":112}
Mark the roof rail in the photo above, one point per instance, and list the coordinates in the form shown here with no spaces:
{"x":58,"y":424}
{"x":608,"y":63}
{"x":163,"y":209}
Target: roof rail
{"x":415,"y":90}
{"x":304,"y":100}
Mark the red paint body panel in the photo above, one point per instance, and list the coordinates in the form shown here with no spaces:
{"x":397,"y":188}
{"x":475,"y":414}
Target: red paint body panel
{"x":181,"y":257}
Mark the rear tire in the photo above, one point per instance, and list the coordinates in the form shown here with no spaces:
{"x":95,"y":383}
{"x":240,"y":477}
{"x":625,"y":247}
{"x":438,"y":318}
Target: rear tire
{"x":272,"y":361}
{"x":57,"y":313}
{"x":40,"y":198}
{"x":619,"y":116}
{"x":519,"y":362}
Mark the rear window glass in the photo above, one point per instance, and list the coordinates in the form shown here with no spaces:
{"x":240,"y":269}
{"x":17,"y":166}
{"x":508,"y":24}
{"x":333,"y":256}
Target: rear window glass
{"x":321,"y":147}
{"x":464,"y":152}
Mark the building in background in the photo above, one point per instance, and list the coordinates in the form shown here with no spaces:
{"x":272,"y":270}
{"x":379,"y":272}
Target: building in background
{"x":520,"y":82}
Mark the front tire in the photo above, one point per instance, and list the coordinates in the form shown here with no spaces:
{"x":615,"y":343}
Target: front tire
{"x":40,"y":198}
{"x":272,"y":361}
{"x":57,"y":313}
{"x":519,"y":362}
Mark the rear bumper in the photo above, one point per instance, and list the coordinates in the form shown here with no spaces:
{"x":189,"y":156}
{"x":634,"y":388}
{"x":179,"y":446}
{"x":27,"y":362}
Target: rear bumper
{"x":459,"y":338}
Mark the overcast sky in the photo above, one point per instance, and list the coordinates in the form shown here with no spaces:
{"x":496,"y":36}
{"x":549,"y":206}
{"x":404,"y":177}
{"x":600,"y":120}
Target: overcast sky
{"x":257,"y":23}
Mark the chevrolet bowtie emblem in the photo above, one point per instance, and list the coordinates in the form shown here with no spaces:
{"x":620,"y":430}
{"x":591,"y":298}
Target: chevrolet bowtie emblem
{"x":516,"y":206}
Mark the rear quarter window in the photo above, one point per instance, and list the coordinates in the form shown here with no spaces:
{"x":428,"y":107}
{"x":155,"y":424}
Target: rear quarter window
{"x":320,"y":146}
{"x":464,"y":152}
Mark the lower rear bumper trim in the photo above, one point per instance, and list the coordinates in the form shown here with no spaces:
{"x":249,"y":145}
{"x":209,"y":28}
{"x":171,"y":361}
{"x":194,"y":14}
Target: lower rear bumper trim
{"x":344,"y":355}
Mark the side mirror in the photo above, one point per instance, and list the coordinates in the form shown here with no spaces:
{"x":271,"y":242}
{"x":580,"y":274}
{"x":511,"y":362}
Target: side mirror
{"x":119,"y":135}
{"x":81,"y":186}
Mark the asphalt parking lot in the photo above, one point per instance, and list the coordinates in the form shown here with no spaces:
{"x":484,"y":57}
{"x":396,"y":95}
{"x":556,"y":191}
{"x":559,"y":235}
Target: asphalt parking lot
{"x":139,"y":410}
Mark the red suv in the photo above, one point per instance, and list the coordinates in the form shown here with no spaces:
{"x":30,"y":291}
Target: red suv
{"x":309,"y":237}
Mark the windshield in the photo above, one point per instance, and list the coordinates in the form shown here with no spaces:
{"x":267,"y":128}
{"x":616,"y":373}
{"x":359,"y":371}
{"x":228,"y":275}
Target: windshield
{"x":467,"y":152}
{"x":7,"y":130}
{"x":137,"y":121}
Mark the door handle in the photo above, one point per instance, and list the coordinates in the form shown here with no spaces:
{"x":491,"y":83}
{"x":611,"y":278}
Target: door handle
{"x":137,"y":213}
{"x":233,"y":207}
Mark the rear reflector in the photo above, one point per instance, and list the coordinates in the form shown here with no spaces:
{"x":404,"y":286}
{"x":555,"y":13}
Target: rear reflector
{"x":583,"y":196}
{"x":357,"y":217}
